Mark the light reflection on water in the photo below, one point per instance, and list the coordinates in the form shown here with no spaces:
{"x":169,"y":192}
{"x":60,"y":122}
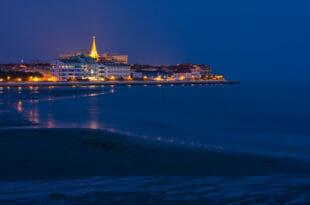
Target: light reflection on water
{"x":19,"y":106}
{"x":210,"y":117}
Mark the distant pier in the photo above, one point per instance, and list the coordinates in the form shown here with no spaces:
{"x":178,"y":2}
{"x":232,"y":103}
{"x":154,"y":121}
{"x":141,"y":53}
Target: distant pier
{"x":115,"y":83}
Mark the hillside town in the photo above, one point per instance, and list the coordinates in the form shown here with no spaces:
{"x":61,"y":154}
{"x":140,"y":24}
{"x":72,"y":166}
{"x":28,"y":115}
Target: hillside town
{"x":88,"y":65}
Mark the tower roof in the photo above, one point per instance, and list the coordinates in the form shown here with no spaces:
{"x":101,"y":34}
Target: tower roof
{"x":94,"y":53}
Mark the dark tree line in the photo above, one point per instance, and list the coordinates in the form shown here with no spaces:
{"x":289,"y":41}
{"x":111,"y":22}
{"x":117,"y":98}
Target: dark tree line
{"x":14,"y":75}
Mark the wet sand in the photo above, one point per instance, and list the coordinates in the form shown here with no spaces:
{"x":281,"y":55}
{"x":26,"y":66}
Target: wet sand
{"x":84,"y":166}
{"x":50,"y":154}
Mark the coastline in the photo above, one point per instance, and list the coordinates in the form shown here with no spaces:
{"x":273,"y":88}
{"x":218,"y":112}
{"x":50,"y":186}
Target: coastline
{"x":86,"y":166}
{"x":54,"y":154}
{"x":114,"y":83}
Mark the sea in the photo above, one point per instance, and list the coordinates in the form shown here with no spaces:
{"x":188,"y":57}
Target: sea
{"x":268,"y":118}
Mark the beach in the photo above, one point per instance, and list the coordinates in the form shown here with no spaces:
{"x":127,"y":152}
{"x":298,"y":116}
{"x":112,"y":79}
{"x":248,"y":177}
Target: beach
{"x":81,"y":153}
{"x":76,"y":166}
{"x":47,"y":161}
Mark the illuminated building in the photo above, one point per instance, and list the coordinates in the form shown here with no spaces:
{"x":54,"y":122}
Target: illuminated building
{"x":114,"y":70}
{"x":83,"y":67}
{"x":104,"y":58}
{"x":94,"y":53}
{"x":63,"y":71}
{"x":114,"y":58}
{"x":205,"y":70}
{"x":186,"y":74}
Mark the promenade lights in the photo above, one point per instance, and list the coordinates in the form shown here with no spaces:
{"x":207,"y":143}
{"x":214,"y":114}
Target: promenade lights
{"x":158,"y":78}
{"x":52,"y":79}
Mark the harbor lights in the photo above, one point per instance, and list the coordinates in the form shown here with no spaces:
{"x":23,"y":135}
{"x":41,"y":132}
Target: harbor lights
{"x":158,"y":78}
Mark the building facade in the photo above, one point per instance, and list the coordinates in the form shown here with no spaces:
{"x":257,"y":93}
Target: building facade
{"x":62,"y":71}
{"x":114,"y":70}
{"x":114,"y":58}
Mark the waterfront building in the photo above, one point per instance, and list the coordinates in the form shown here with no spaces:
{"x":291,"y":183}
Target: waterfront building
{"x":114,"y":70}
{"x":83,"y":67}
{"x":137,"y":75}
{"x":90,"y":65}
{"x":63,"y":71}
{"x":37,"y":67}
{"x":205,"y":70}
{"x":114,"y":58}
{"x":186,"y":74}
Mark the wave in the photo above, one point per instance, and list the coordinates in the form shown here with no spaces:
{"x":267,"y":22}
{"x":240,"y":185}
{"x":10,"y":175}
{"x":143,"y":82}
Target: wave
{"x":151,"y":189}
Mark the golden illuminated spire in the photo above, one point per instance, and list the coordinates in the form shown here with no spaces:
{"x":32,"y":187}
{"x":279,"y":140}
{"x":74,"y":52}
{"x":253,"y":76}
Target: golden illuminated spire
{"x":94,"y":53}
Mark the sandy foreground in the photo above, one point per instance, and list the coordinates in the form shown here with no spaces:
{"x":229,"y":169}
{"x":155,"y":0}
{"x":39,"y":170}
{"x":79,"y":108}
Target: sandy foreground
{"x":84,"y":166}
{"x":29,"y":154}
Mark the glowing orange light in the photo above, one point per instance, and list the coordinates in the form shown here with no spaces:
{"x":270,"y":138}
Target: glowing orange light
{"x":144,"y":77}
{"x":129,"y":78}
{"x":19,"y":106}
{"x":182,"y":78}
{"x":52,"y":79}
{"x":94,"y":53}
{"x":112,"y":78}
{"x":158,"y":78}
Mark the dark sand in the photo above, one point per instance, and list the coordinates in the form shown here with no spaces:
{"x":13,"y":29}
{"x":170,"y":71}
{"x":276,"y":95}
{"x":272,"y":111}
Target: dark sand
{"x":50,"y":154}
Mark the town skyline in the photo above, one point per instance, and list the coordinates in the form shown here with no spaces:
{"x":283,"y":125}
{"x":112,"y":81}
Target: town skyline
{"x":243,"y":40}
{"x":154,"y":102}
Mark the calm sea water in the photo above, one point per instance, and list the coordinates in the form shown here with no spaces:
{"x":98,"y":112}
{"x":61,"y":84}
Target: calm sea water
{"x":270,"y":119}
{"x":251,"y":117}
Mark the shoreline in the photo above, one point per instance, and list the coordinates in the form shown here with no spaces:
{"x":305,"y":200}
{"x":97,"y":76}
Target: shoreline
{"x":115,"y":83}
{"x":50,"y":154}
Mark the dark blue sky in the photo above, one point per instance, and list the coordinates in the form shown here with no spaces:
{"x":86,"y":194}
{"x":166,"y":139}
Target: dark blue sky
{"x":255,"y":40}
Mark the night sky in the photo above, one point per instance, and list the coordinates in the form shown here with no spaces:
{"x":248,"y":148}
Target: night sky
{"x":243,"y":39}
